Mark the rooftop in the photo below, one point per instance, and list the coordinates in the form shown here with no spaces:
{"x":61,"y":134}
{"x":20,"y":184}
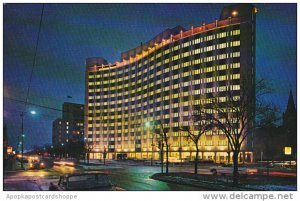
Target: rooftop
{"x":230,"y":15}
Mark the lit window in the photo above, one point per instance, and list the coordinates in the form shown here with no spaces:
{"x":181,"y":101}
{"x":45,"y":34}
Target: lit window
{"x":197,"y":51}
{"x":235,"y":87}
{"x":167,"y":51}
{"x":221,"y":35}
{"x":235,"y":76}
{"x":236,"y":98}
{"x":222,"y":99}
{"x":220,"y":46}
{"x":236,"y":32}
{"x":235,"y":65}
{"x":186,"y":44}
{"x":235,"y":54}
{"x":186,"y":54}
{"x":197,"y":41}
{"x":222,"y":67}
{"x":175,"y":57}
{"x":235,"y":43}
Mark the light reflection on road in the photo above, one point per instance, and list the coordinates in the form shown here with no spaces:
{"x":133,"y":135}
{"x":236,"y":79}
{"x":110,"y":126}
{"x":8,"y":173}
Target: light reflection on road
{"x":34,"y":173}
{"x":65,"y":169}
{"x":138,"y":178}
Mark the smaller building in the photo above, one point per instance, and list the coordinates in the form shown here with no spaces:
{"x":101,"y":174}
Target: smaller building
{"x":289,"y":126}
{"x":271,"y":141}
{"x":59,"y":134}
{"x":68,"y":131}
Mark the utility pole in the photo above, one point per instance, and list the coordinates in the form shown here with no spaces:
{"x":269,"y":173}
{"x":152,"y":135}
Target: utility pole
{"x":18,"y":145}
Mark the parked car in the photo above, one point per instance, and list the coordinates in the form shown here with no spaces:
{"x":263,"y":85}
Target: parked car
{"x":35,"y":164}
{"x":279,"y":166}
{"x":84,"y":182}
{"x":227,"y":169}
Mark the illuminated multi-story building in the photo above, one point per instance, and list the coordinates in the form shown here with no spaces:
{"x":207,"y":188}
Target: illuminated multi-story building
{"x":69,"y":128}
{"x":162,"y":80}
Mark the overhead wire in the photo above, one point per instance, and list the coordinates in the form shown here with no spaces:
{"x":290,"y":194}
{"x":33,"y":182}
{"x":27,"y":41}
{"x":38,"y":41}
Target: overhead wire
{"x":38,"y":105}
{"x":34,"y":57}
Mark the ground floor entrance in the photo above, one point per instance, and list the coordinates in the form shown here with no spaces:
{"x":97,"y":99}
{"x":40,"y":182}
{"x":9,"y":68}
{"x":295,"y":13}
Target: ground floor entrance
{"x":184,"y":156}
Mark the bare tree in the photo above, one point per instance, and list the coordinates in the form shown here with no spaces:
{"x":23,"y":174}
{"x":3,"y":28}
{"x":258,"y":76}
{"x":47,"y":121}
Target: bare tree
{"x":162,"y":131}
{"x":200,"y":122}
{"x":236,"y":115}
{"x":89,"y":146}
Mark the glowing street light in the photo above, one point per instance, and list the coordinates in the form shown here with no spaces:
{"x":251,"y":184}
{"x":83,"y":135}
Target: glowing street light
{"x":23,"y":135}
{"x":234,"y":13}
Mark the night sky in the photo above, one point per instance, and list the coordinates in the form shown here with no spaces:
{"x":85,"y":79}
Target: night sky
{"x":70,"y":33}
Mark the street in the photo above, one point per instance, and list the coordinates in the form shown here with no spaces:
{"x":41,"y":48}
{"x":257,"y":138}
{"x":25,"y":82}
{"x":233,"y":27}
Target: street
{"x":127,"y":177}
{"x":135,"y":176}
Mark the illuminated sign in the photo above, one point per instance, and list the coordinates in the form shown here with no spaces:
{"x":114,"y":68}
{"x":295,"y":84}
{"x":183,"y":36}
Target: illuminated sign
{"x":287,"y":150}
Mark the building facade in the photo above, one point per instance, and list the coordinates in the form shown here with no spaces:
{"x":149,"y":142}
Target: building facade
{"x":69,"y":128}
{"x":58,"y":132}
{"x":162,"y":80}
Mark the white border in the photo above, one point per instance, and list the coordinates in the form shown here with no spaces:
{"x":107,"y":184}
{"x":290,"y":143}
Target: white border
{"x":135,"y":195}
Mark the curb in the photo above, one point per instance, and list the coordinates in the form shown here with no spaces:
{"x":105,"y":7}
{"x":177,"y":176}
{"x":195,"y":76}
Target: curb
{"x":200,"y":184}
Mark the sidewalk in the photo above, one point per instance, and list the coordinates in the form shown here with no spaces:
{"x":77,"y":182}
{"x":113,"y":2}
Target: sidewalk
{"x":212,"y":182}
{"x":190,"y":179}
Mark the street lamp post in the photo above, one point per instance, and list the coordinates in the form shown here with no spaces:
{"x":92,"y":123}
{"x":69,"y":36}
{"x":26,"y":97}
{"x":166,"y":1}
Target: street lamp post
{"x":162,"y":155}
{"x":180,"y":148}
{"x":51,"y":151}
{"x":152,"y":150}
{"x":148,"y":125}
{"x":62,"y":150}
{"x":85,"y":150}
{"x":22,"y":139}
{"x":23,"y":135}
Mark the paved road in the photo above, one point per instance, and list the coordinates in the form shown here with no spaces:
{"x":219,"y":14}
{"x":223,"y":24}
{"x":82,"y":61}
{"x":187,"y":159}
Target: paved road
{"x":138,"y":178}
{"x":128,"y":177}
